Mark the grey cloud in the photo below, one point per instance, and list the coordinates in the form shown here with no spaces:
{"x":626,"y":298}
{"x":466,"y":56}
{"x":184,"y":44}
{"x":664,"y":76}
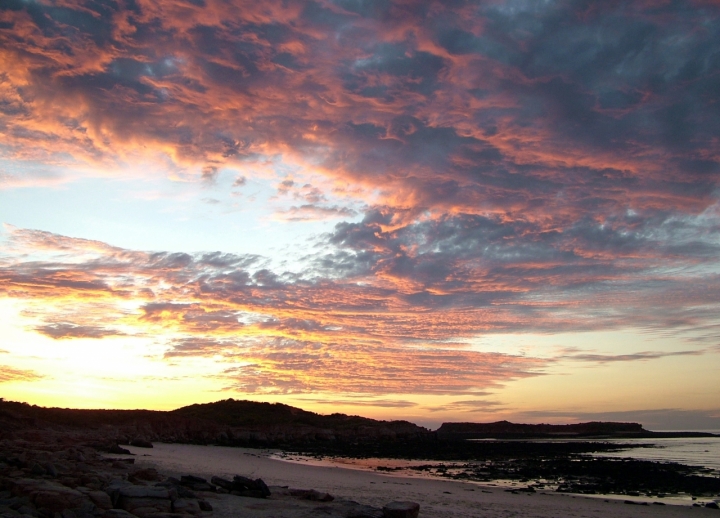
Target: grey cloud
{"x":639,"y":356}
{"x":468,"y":405}
{"x":380,"y":403}
{"x":210,"y":174}
{"x":64,"y":330}
{"x":312,"y":211}
{"x":196,"y":347}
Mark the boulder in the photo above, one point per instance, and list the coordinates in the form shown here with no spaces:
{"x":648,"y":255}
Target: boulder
{"x":182,"y":505}
{"x":311,"y":494}
{"x":143,"y":500}
{"x":196,"y":483}
{"x":145,"y":506}
{"x":712,"y":505}
{"x":51,"y":469}
{"x":240,"y":483}
{"x":401,"y":510}
{"x":159,"y":493}
{"x":352,"y":509}
{"x":58,"y":501}
{"x":48,"y":494}
{"x":246,"y":486}
{"x":117,"y":450}
{"x":101,"y":499}
{"x":262,"y":486}
{"x":147,"y":474}
{"x":188,"y":480}
{"x":38,"y":470}
{"x":221,"y":482}
{"x":205,"y":505}
{"x":250,"y":493}
{"x":174,"y":484}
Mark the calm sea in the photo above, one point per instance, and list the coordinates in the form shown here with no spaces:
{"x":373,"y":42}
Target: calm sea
{"x":701,"y":451}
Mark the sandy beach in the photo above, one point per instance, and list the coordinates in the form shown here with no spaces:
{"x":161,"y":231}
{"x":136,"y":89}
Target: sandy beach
{"x":437,"y":498}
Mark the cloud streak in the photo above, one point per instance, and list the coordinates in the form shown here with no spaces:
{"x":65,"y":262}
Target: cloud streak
{"x":9,"y":374}
{"x":377,"y":328}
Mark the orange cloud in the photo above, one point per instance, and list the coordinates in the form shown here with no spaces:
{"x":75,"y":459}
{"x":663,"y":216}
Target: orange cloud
{"x":9,"y":374}
{"x":485,"y":174}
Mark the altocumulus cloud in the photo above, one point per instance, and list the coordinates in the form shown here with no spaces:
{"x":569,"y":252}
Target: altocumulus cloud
{"x":375,"y":329}
{"x":513,"y":166}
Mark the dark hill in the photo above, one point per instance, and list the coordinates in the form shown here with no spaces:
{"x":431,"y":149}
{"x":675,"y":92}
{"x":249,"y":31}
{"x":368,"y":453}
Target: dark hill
{"x":231,"y":412}
{"x":227,"y":422}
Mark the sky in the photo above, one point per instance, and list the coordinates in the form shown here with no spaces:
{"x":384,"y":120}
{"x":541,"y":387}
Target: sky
{"x":433,"y":211}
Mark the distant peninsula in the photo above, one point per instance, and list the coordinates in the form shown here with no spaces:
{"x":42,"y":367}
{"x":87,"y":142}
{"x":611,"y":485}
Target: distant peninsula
{"x":594,"y":429}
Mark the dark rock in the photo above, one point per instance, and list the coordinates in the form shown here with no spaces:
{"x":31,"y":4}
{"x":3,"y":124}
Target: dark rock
{"x":401,"y":510}
{"x":174,"y":484}
{"x":311,"y":494}
{"x":16,"y":462}
{"x":262,"y":486}
{"x":37,"y":469}
{"x":51,"y":469}
{"x":159,"y":493}
{"x":145,"y":506}
{"x":148,"y":474}
{"x":141,"y":443}
{"x":351,"y":509}
{"x":203,"y":487}
{"x":57,"y":501}
{"x":243,"y":485}
{"x":48,"y":494}
{"x":26,"y":509}
{"x":189,"y":480}
{"x":117,"y":513}
{"x":223,"y":483}
{"x":118,"y":450}
{"x":240,"y":483}
{"x":101,"y":499}
{"x":205,"y":505}
{"x":251,"y":493}
{"x":188,"y":506}
{"x":712,"y":505}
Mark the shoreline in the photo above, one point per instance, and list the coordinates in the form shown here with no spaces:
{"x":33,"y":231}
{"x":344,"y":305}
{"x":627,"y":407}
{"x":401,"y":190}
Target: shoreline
{"x":580,"y":467}
{"x":437,"y":496}
{"x":401,"y":471}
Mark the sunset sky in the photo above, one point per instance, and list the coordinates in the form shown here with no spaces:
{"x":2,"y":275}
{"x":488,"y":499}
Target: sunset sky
{"x":433,"y":211}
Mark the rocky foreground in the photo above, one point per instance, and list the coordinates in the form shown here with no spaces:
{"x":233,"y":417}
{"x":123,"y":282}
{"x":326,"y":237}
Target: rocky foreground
{"x":51,"y":474}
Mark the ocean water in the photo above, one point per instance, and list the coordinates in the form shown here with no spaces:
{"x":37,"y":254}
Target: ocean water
{"x":699,"y":451}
